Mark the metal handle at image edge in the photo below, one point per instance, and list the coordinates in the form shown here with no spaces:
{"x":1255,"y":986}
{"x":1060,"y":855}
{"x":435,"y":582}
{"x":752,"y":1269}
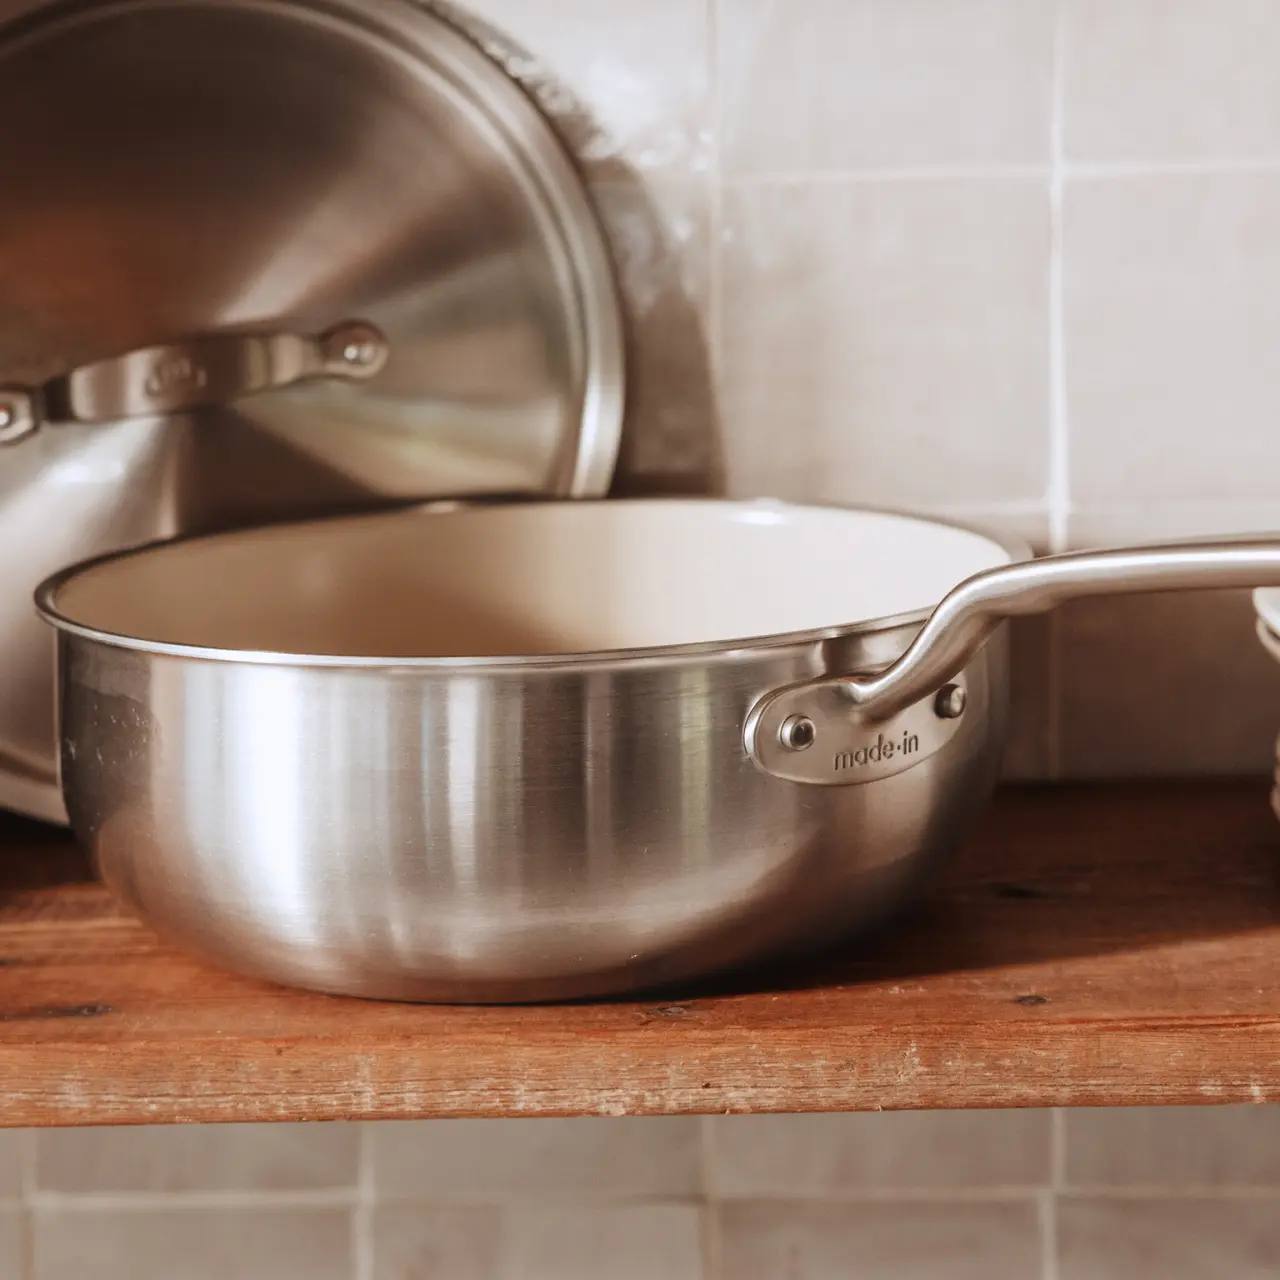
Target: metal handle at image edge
{"x":191,"y":373}
{"x":844,"y":729}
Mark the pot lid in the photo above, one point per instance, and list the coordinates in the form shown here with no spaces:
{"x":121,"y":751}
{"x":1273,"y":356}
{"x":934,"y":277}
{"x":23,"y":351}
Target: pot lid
{"x":266,"y":258}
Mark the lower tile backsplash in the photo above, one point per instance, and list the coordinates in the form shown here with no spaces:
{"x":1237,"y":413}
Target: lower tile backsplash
{"x":275,"y":1242}
{"x":12,"y":1253}
{"x":1174,"y":1193}
{"x":210,"y":1158}
{"x":772,"y":1240}
{"x":1177,"y":1239}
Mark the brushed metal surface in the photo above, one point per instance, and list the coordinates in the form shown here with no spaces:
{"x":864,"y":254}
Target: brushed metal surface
{"x":523,"y":828}
{"x":179,"y":168}
{"x":838,"y":746}
{"x":196,"y":373}
{"x":559,"y":823}
{"x":495,"y":835}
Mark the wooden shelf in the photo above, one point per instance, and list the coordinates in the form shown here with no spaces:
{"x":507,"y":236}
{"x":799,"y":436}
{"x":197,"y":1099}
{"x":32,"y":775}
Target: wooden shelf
{"x":1093,"y":945}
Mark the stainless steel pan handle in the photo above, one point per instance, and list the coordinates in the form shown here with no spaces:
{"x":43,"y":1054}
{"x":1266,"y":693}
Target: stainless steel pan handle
{"x":856,"y":728}
{"x":194,"y":372}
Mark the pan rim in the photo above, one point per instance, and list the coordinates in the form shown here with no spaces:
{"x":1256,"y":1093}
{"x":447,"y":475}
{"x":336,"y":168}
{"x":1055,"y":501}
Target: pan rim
{"x":718,"y":652}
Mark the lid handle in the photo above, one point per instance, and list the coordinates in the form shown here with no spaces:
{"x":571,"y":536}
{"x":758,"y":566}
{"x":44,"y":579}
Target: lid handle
{"x":191,"y":373}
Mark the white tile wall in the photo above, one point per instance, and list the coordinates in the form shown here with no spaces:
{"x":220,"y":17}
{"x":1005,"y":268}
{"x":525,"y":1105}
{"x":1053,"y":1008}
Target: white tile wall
{"x":234,"y":1157}
{"x":833,"y":86}
{"x":1171,"y":81}
{"x":816,"y":1156}
{"x":629,"y":1242}
{"x":1183,"y":1148}
{"x":12,"y":1251}
{"x":1172,"y":1239}
{"x":932,"y":1241}
{"x":13,"y":1145}
{"x":1127,"y":653}
{"x":1172,"y":309}
{"x":409,"y":1241}
{"x":915,"y":1196}
{"x":145,"y":1242}
{"x":1013,"y":261}
{"x":487,"y":1159}
{"x":556,"y":1242}
{"x":870,"y":322}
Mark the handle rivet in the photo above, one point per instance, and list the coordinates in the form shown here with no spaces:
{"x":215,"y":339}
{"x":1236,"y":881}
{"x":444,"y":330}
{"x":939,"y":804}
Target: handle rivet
{"x":361,"y":352}
{"x":15,"y":421}
{"x":797,"y":733}
{"x":950,"y":702}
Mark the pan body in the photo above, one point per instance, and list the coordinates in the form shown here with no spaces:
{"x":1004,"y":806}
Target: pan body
{"x":496,"y":753}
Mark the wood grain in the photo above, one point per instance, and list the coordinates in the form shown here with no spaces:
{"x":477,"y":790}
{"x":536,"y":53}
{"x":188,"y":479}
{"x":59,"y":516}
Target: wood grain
{"x":1093,"y":945}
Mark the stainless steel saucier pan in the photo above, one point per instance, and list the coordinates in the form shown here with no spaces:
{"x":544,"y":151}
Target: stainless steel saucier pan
{"x":537,"y":751}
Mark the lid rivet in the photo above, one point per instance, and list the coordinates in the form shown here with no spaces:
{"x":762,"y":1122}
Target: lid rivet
{"x":361,"y":352}
{"x":16,"y":421}
{"x":354,"y":350}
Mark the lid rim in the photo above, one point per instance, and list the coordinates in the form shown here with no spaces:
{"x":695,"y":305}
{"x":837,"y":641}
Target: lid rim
{"x":449,"y":61}
{"x":282,"y":165}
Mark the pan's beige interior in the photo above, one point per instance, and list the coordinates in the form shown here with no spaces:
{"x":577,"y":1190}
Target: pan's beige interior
{"x":539,"y":578}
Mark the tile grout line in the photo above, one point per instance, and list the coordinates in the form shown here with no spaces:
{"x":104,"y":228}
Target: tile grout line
{"x":267,"y":1201}
{"x":1064,"y":170}
{"x":976,"y":510}
{"x":362,"y":1214}
{"x":1103,"y":171}
{"x":712,"y":1262}
{"x":1048,"y":1208}
{"x":1058,"y":1150}
{"x":1050,"y":1202}
{"x":26,"y":1199}
{"x":1173,"y":1192}
{"x":892,"y":173}
{"x":715,"y":211}
{"x":149,"y":1201}
{"x":944,"y":1195}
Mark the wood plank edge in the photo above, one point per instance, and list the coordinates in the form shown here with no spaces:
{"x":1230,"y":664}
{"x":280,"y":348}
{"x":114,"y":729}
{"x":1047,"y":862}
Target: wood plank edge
{"x":149,"y":1084}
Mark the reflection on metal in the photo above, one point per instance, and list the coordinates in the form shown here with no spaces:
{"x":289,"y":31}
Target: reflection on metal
{"x":274,"y":166}
{"x":195,"y":373}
